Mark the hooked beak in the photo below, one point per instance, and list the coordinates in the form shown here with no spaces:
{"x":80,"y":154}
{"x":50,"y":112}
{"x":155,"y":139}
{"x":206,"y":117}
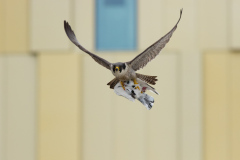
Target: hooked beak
{"x":117,"y":68}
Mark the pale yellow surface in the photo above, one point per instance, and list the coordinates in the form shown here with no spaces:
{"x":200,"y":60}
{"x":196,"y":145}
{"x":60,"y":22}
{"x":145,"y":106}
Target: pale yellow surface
{"x":234,"y":24}
{"x":46,"y":24}
{"x":191,"y":106}
{"x":150,"y":24}
{"x":185,"y":37}
{"x":20,"y":108}
{"x":127,"y":129}
{"x":16,"y":26}
{"x":76,"y":114}
{"x":59,"y":106}
{"x":163,"y":120}
{"x":235,"y":106}
{"x":216,"y":111}
{"x":129,"y":123}
{"x":83,"y":23}
{"x":212,"y":24}
{"x":98,"y":106}
{"x":2,"y":108}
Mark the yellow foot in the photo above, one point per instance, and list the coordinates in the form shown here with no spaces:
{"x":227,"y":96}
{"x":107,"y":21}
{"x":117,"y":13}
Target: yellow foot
{"x":135,"y":82}
{"x":122,"y":83}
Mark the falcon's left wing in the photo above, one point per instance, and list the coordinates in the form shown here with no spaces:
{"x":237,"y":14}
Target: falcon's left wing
{"x":151,"y":52}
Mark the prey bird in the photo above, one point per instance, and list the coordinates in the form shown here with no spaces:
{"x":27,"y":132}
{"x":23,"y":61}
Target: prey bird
{"x":126,"y":71}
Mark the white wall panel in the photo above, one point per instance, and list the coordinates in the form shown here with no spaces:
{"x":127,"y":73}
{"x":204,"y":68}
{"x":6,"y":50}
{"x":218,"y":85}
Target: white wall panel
{"x":46,"y":24}
{"x":131,"y":131}
{"x":185,"y":36}
{"x":234,"y":24}
{"x":129,"y":123}
{"x":191,"y":106}
{"x":84,"y":23}
{"x":212,"y":24}
{"x":19,"y":108}
{"x":151,"y":21}
{"x":162,"y":127}
{"x":98,"y":110}
{"x":2,"y":107}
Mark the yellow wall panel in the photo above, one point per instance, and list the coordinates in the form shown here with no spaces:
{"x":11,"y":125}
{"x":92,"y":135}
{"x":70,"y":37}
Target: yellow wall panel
{"x":16,"y":26}
{"x":213,"y":24}
{"x":46,"y":24}
{"x":59,"y":113}
{"x":235,"y":24}
{"x":216,"y":111}
{"x":235,"y":106}
{"x":2,"y":27}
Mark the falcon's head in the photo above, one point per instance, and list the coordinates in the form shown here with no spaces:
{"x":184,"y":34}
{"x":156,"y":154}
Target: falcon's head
{"x":119,"y":67}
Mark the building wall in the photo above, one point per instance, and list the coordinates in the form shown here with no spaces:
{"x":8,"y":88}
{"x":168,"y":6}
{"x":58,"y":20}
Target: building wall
{"x":55,"y":104}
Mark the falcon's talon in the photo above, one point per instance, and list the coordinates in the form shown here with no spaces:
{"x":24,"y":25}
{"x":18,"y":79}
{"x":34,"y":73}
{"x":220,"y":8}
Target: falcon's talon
{"x":122,"y":83}
{"x":135,"y":81}
{"x":138,"y":88}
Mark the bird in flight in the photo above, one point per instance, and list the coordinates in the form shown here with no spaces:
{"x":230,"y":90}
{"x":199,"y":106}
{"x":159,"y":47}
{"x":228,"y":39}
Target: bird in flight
{"x":126,"y":71}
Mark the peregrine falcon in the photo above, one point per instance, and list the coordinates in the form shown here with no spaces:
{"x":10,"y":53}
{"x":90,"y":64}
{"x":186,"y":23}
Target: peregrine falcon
{"x":125,"y":71}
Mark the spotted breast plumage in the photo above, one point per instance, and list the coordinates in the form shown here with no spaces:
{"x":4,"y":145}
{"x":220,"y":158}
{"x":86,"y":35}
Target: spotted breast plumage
{"x":125,"y":71}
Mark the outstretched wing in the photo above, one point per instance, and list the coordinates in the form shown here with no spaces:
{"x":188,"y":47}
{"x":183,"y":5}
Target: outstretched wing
{"x":151,"y":52}
{"x":73,"y":38}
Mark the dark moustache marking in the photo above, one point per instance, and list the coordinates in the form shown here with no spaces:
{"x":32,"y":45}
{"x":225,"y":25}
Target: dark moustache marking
{"x":114,"y":67}
{"x":124,"y":66}
{"x":120,"y":69}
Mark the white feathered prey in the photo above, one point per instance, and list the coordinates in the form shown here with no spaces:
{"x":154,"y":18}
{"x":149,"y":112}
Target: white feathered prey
{"x":131,"y":92}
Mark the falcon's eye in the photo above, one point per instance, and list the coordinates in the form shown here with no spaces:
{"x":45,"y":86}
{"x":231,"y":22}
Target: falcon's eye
{"x":117,"y":68}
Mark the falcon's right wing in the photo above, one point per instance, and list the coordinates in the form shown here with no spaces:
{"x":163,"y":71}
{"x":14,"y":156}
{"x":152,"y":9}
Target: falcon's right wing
{"x":73,"y":39}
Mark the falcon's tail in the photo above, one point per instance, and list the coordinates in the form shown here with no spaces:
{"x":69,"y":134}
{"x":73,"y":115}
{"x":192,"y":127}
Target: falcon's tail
{"x":149,"y":79}
{"x":113,"y":82}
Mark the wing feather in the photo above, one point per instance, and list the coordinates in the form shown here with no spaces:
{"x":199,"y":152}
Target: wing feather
{"x":151,"y":52}
{"x":73,"y":39}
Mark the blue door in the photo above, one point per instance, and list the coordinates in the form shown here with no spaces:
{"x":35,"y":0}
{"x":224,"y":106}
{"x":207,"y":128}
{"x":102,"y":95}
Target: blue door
{"x":116,"y":24}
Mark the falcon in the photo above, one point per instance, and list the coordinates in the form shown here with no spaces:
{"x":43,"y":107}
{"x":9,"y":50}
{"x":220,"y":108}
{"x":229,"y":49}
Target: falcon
{"x":126,"y":71}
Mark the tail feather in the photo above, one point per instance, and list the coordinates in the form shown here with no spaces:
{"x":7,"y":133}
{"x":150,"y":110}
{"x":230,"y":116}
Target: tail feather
{"x":149,"y":79}
{"x":113,"y":83}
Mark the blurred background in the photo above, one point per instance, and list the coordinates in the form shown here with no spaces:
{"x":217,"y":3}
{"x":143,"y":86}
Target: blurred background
{"x":54,"y":101}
